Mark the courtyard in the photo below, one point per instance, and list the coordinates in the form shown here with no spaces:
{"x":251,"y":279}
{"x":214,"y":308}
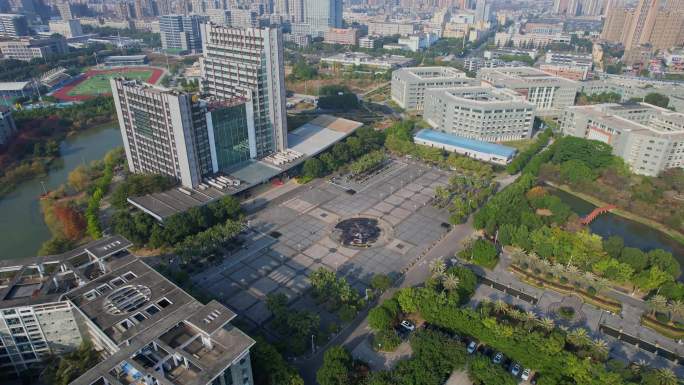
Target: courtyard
{"x":294,"y":236}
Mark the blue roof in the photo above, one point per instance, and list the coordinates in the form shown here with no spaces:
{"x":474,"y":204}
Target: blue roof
{"x":469,"y":144}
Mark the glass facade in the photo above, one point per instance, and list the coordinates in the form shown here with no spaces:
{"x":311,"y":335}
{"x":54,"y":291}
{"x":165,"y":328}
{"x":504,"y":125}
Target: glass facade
{"x":230,"y":135}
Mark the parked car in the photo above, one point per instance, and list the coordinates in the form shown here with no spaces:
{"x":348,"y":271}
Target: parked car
{"x":408,"y":325}
{"x":515,"y":369}
{"x":525,"y":375}
{"x":472,"y":347}
{"x":498,"y":357}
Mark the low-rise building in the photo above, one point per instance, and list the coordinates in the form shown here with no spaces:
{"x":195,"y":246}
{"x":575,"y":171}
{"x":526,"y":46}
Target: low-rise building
{"x":7,"y":126}
{"x":302,"y":40}
{"x":418,"y":42}
{"x":386,"y":28}
{"x":650,"y":139}
{"x":409,"y":84}
{"x":343,"y":36}
{"x":369,"y":42}
{"x":535,"y":39}
{"x":12,"y":90}
{"x":573,"y":67}
{"x":362,"y":59}
{"x":482,"y":113}
{"x":28,"y":49}
{"x":125,"y":60}
{"x":636,"y":88}
{"x":550,"y":94}
{"x":476,"y":149}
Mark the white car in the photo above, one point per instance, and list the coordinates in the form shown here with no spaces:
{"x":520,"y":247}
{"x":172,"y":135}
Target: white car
{"x":472,"y":346}
{"x":406,"y":324}
{"x":525,"y":375}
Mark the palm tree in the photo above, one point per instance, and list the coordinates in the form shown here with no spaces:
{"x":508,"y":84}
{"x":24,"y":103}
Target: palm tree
{"x":529,"y":318}
{"x":516,"y":314}
{"x":519,"y":257}
{"x":657,"y":303}
{"x":485,"y":305}
{"x":600,"y":347}
{"x":437,"y":268}
{"x":450,"y":282}
{"x":665,"y":376}
{"x":578,"y":337}
{"x":572,"y":270}
{"x":640,"y":367}
{"x":546,"y":323}
{"x":601,"y":284}
{"x":500,"y":306}
{"x":677,"y":308}
{"x":557,"y":270}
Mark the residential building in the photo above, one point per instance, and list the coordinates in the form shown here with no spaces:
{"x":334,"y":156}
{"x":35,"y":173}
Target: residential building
{"x":65,"y":10}
{"x":369,"y":42}
{"x":13,"y":25}
{"x":550,"y":94}
{"x":614,"y":27}
{"x":28,"y":49}
{"x":650,"y":22}
{"x":320,"y":15}
{"x":476,"y":149}
{"x":67,"y":28}
{"x":410,"y":84}
{"x":219,"y":16}
{"x":481,"y":11}
{"x":482,"y":113}
{"x":363,"y":59}
{"x":417,"y":42}
{"x":181,"y":33}
{"x":343,"y":36}
{"x":248,"y":64}
{"x":650,"y":139}
{"x":243,"y":18}
{"x":383,"y":28}
{"x":7,"y":126}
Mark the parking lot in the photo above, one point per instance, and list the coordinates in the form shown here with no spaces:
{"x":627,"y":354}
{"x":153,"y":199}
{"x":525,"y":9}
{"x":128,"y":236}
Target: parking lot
{"x":291,"y":239}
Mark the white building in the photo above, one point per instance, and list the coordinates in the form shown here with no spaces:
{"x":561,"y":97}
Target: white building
{"x":363,"y":59}
{"x":482,"y":113}
{"x":417,"y":42}
{"x":550,"y":94}
{"x":369,"y":42}
{"x":13,"y":25}
{"x":650,"y":139}
{"x":409,"y":84}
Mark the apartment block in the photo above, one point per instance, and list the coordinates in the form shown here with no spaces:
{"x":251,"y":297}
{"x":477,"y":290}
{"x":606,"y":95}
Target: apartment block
{"x":28,"y":49}
{"x":481,"y":113}
{"x":13,"y":25}
{"x":410,"y":84}
{"x":248,"y":64}
{"x":383,"y":28}
{"x":181,"y":33}
{"x":550,"y":94}
{"x":650,"y":139}
{"x":343,"y":36}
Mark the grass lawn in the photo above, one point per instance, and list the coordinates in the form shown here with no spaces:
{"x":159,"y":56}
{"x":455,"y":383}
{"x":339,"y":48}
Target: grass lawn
{"x":520,"y":145}
{"x":99,"y":83}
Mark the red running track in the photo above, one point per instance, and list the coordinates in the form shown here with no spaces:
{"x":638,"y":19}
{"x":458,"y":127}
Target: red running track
{"x":63,"y":93}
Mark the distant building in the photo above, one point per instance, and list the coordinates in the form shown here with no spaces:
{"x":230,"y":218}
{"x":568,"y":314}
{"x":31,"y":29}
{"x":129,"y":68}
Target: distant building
{"x":28,"y":48}
{"x":342,"y":36}
{"x":409,"y":84}
{"x":573,"y":67}
{"x":650,"y":139}
{"x":550,"y":94}
{"x":299,"y":39}
{"x":243,"y":18}
{"x":66,"y":28}
{"x":320,"y":15}
{"x":418,"y":42}
{"x":362,"y":59}
{"x":482,"y":113}
{"x":13,"y":90}
{"x":536,"y":40}
{"x":369,"y":42}
{"x":476,"y":149}
{"x":7,"y":126}
{"x":65,"y":9}
{"x":377,"y":28}
{"x":181,"y":33}
{"x":126,"y":61}
{"x":13,"y":25}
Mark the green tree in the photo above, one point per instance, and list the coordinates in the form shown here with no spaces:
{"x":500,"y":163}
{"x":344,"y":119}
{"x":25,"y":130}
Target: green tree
{"x":613,"y":246}
{"x":313,"y":168}
{"x":269,"y":367}
{"x":336,"y":368}
{"x":657,"y":99}
{"x":635,"y":258}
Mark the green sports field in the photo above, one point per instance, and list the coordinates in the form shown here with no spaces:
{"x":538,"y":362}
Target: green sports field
{"x":99,"y":83}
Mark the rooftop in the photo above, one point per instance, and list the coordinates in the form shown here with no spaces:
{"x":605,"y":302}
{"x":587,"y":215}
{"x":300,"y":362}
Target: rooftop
{"x":432,"y":73}
{"x":13,"y":86}
{"x":470,"y":144}
{"x":524,"y":74}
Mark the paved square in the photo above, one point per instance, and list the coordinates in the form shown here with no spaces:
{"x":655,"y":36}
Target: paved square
{"x":295,"y":238}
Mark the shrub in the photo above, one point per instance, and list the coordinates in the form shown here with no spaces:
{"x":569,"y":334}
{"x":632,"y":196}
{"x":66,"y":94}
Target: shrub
{"x":591,"y":291}
{"x":386,"y":340}
{"x":381,"y":282}
{"x":566,"y":312}
{"x":662,"y":317}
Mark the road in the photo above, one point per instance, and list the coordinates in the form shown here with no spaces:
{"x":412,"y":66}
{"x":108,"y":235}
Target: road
{"x":358,"y":330}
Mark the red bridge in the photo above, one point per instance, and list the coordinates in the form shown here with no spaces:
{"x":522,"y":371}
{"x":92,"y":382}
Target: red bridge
{"x":595,"y":213}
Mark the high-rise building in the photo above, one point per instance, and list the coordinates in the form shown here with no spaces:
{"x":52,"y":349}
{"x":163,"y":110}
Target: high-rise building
{"x":296,"y":10}
{"x":282,"y":7}
{"x":320,"y":15}
{"x":13,"y":25}
{"x":614,"y":27}
{"x":641,"y":25}
{"x":181,"y":33}
{"x":243,"y":18}
{"x":65,"y":10}
{"x":481,"y":11}
{"x":248,"y":63}
{"x":66,"y":28}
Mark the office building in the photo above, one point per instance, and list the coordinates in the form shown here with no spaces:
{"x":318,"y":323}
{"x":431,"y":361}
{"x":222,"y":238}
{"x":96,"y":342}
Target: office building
{"x":320,"y":15}
{"x":481,"y":113}
{"x":382,"y":28}
{"x":181,"y":33}
{"x":248,"y":64}
{"x":650,"y":139}
{"x":67,"y":28}
{"x":28,"y":49}
{"x":12,"y":25}
{"x":550,"y":94}
{"x":409,"y":84}
{"x":343,"y":36}
{"x":7,"y":126}
{"x":369,"y":42}
{"x":146,"y":328}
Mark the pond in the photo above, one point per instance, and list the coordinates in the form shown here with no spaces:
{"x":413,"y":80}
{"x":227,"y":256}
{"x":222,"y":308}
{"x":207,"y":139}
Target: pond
{"x":22,"y":229}
{"x":635,"y":234}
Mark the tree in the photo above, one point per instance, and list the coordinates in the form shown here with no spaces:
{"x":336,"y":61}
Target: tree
{"x":665,"y":261}
{"x":660,"y":376}
{"x":613,"y":246}
{"x":73,"y":222}
{"x":450,"y":282}
{"x":336,"y":368}
{"x":70,"y":366}
{"x":269,"y":367}
{"x":437,"y":268}
{"x":657,"y":99}
{"x":79,"y":179}
{"x":313,"y":168}
{"x":380,"y":282}
{"x":657,"y":303}
{"x":634,"y":257}
{"x":379,"y":318}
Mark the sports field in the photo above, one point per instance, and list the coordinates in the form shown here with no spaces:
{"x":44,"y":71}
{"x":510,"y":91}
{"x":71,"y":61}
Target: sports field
{"x":96,"y":82}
